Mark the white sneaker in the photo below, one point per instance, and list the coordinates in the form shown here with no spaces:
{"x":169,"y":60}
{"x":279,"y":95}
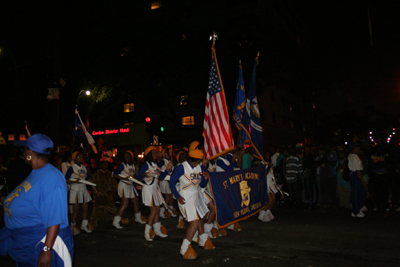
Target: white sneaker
{"x":364,"y":208}
{"x":359,"y":215}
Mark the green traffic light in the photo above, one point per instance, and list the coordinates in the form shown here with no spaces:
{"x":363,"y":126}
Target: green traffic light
{"x":162,"y":129}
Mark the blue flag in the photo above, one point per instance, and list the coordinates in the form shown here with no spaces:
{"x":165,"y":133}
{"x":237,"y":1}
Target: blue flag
{"x":238,"y":194}
{"x":251,"y":119}
{"x":240,"y":100}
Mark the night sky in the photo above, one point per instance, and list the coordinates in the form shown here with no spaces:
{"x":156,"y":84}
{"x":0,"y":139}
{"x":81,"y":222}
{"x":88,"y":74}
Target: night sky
{"x":306,"y":44}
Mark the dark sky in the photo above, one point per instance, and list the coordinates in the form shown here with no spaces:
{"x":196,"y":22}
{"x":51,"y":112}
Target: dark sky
{"x":321,"y":45}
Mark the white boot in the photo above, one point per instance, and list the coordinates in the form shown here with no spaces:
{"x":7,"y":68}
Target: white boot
{"x":116,"y":221}
{"x":261,"y":215}
{"x":171,"y":210}
{"x":270,"y":215}
{"x":162,"y":212}
{"x":184,"y":246}
{"x":157,"y":230}
{"x":205,"y":242}
{"x":138,"y":218}
{"x":147,"y":232}
{"x":208,"y":228}
{"x":231,"y":227}
{"x":187,"y":251}
{"x":84,"y":226}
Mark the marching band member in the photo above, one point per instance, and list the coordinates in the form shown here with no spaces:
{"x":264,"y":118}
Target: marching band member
{"x":151,"y":195}
{"x":190,"y":176}
{"x":78,"y":194}
{"x":127,"y":190}
{"x":181,"y":157}
{"x":164,"y":186}
{"x":265,"y":214}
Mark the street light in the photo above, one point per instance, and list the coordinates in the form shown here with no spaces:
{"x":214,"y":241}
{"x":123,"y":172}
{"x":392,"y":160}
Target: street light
{"x":87,"y":92}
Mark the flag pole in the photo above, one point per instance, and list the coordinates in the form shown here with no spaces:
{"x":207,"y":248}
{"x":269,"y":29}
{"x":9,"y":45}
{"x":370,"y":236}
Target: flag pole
{"x":240,"y":132}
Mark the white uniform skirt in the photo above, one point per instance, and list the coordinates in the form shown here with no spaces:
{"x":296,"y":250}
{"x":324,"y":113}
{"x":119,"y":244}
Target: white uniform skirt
{"x":271,"y":184}
{"x":151,"y":195}
{"x":79,"y":194}
{"x":164,"y":187}
{"x":194,"y":207}
{"x":126,"y":190}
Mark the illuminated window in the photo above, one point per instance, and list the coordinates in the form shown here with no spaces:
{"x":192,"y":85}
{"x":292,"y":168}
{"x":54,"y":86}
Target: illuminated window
{"x":155,"y":5}
{"x":183,"y":100}
{"x":130,"y":107}
{"x":189,"y":120}
{"x":22,"y":137}
{"x":11,"y":137}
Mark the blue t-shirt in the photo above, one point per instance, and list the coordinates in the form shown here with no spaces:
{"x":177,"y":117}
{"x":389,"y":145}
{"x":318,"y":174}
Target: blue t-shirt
{"x":41,"y":199}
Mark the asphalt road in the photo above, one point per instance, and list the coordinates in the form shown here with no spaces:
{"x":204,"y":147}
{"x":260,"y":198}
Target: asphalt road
{"x":294,"y":238}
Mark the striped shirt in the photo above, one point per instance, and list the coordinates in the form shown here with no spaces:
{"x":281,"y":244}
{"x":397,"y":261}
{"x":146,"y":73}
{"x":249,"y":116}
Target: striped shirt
{"x":293,"y":168}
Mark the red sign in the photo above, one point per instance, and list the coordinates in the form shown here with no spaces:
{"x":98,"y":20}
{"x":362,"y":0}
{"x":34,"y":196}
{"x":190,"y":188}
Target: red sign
{"x":112,"y":131}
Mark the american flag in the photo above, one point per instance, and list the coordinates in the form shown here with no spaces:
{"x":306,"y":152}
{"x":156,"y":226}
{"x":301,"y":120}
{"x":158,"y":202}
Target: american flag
{"x":216,"y":128}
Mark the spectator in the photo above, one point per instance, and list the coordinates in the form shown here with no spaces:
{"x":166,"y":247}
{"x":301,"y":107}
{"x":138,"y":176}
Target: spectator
{"x":293,"y":171}
{"x":328,"y":177}
{"x":343,"y":187}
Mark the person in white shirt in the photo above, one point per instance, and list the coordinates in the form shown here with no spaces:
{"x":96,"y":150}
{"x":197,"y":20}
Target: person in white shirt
{"x":358,"y":186}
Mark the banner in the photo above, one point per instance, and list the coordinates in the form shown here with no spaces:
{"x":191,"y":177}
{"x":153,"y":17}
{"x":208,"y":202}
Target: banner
{"x":238,"y":195}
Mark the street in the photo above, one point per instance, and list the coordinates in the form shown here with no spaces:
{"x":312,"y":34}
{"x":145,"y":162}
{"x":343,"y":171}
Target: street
{"x":294,"y":238}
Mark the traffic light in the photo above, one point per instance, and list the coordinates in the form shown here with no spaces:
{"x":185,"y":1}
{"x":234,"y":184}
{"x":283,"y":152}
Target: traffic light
{"x":162,"y":129}
{"x":148,"y":119}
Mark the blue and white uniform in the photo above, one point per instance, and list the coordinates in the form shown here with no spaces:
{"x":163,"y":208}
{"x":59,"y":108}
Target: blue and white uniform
{"x":223,"y":164}
{"x":126,"y":188}
{"x":164,"y":184}
{"x":32,"y":207}
{"x":189,"y":181}
{"x":151,"y":194}
{"x":78,"y":192}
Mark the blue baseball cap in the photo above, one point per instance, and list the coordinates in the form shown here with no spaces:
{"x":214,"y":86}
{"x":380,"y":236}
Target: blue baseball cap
{"x":39,"y":143}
